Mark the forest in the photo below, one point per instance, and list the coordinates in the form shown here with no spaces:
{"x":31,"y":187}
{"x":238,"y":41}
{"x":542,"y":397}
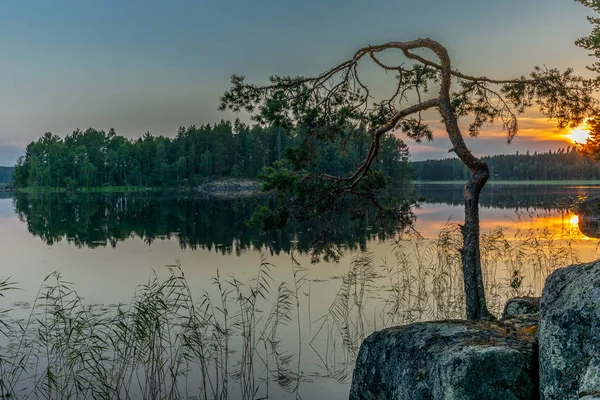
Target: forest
{"x":193,"y":156}
{"x":562,"y":164}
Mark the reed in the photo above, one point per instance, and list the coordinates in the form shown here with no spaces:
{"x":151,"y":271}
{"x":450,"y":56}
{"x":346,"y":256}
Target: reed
{"x":229,"y":343}
{"x":162,"y":345}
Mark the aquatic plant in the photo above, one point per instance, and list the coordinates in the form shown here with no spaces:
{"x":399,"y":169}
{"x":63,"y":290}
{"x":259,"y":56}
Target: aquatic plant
{"x":247,"y":339}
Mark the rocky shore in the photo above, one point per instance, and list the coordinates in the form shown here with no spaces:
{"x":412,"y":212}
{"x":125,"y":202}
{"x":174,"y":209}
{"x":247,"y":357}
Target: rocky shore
{"x":230,"y":188}
{"x":546,"y":348}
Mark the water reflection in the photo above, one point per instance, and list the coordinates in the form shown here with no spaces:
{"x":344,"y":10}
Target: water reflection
{"x":333,"y":307}
{"x":195,"y":222}
{"x":547,"y":197}
{"x":302,"y":327}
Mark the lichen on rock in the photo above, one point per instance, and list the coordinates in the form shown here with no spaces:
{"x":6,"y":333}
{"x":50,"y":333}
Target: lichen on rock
{"x":569,"y":333}
{"x":449,"y":360}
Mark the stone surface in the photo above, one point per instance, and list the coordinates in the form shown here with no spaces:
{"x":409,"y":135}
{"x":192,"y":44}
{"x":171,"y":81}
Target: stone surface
{"x":450,"y":360}
{"x":589,"y":207}
{"x":589,"y":226}
{"x":229,"y":188}
{"x":588,"y":211}
{"x":569,"y":334}
{"x":520,"y":306}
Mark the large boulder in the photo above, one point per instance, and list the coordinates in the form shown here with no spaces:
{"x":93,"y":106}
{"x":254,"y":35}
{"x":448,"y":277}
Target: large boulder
{"x":447,"y":360}
{"x":569,"y":334}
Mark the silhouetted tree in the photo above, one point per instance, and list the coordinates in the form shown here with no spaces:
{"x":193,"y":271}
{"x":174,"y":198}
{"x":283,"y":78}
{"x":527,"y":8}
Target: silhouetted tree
{"x":337,"y":105}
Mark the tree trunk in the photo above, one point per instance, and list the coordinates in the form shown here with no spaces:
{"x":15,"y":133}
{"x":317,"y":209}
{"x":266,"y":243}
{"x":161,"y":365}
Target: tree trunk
{"x":470,"y":251}
{"x":470,"y":254}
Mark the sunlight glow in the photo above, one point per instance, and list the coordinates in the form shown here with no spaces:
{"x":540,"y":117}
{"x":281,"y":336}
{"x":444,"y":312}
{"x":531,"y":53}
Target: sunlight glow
{"x":574,"y":220}
{"x":579,"y":134}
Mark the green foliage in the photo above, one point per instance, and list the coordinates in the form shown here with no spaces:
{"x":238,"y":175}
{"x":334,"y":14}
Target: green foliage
{"x":592,"y":41}
{"x":306,"y":185}
{"x":96,"y":158}
{"x":591,"y":147}
{"x":344,"y":144}
{"x":272,"y":154}
{"x":336,"y":107}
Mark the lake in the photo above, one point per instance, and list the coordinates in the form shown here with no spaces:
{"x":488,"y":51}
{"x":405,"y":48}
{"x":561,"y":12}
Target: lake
{"x":272,"y":322}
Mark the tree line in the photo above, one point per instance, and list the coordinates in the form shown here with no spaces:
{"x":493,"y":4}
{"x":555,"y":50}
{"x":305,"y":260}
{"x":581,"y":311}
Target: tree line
{"x":193,"y":156}
{"x":562,"y":164}
{"x":225,"y":150}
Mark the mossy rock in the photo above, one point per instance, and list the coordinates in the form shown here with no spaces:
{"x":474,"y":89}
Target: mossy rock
{"x":448,"y":360}
{"x":569,"y":334}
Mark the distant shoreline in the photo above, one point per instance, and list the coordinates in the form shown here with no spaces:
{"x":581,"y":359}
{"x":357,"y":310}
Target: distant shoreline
{"x":222,"y":188}
{"x":233,"y":187}
{"x":590,"y":182}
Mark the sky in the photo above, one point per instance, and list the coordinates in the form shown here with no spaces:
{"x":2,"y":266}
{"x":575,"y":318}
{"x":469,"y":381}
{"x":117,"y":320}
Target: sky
{"x":146,"y":65}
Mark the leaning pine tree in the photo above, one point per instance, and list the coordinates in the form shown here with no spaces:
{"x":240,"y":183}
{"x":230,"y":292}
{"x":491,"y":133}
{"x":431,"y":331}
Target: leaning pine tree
{"x":338,"y":104}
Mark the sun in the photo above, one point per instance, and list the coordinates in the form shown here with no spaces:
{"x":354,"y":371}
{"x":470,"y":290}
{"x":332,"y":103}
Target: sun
{"x":580,"y":134}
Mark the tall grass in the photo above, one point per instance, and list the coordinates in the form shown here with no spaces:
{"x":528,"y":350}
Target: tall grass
{"x":229,"y":342}
{"x":423,"y":281}
{"x":162,"y":345}
{"x":5,"y":285}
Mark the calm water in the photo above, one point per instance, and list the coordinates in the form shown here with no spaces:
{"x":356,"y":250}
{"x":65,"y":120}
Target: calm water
{"x":107,"y":245}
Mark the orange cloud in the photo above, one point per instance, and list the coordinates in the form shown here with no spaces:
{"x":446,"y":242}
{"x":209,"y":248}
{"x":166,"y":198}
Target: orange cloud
{"x":530,"y":128}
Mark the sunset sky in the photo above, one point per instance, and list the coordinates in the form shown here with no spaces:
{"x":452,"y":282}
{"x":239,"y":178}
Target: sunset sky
{"x":153,"y":66}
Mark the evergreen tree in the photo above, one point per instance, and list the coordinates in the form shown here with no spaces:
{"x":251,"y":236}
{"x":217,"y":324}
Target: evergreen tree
{"x":193,"y":156}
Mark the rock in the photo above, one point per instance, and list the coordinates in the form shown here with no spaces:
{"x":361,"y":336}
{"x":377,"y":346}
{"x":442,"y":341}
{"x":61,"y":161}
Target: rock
{"x":589,"y":226}
{"x":229,"y":188}
{"x":520,"y":306}
{"x":569,"y":334}
{"x":448,"y":360}
{"x":588,"y":212}
{"x":589,"y":207}
{"x":522,"y":313}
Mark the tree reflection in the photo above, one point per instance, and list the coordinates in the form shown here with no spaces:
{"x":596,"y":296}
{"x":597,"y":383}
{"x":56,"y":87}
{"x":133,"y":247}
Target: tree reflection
{"x":195,"y":222}
{"x":546,"y":197}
